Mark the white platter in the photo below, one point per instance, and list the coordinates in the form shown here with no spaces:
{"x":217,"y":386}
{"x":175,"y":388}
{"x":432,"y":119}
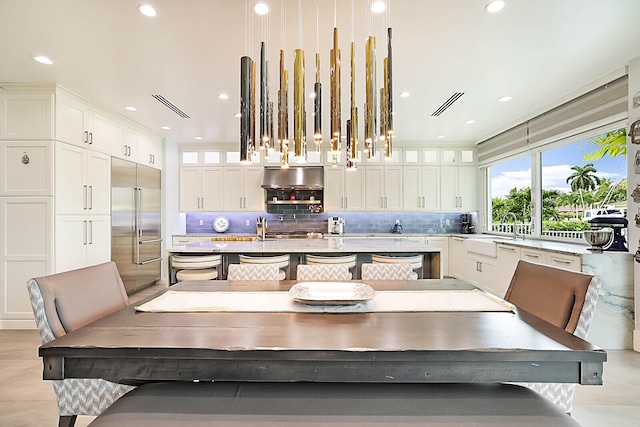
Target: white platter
{"x":331,"y":293}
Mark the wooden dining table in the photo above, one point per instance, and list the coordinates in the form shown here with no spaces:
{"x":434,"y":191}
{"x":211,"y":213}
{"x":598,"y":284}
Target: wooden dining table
{"x":134,"y":347}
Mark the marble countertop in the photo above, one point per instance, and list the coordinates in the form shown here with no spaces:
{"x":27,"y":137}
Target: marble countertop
{"x":364,"y":245}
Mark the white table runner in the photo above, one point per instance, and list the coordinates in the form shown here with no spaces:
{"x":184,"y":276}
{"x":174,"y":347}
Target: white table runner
{"x":384,"y":301}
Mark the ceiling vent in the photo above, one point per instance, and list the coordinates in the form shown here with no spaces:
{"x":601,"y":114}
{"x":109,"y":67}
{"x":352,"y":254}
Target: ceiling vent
{"x":170,"y":106}
{"x":448,"y":103}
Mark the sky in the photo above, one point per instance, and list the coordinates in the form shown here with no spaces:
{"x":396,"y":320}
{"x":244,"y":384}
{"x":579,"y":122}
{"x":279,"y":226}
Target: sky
{"x":556,"y":167}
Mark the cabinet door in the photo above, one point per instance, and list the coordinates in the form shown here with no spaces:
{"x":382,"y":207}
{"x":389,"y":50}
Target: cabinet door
{"x":70,"y":121}
{"x":26,"y":116}
{"x":534,"y":255}
{"x":459,"y":258}
{"x":149,"y":151}
{"x":334,"y":189}
{"x":448,"y":188}
{"x":354,"y":190}
{"x":374,"y":195}
{"x":212,"y":189}
{"x":71,"y":190}
{"x":233,"y":189}
{"x":393,"y":188}
{"x":98,"y":239}
{"x":468,"y":188}
{"x":253,"y":192}
{"x":190,"y":189}
{"x":412,"y":188}
{"x":570,"y":262}
{"x":117,"y":145}
{"x":443,"y":244}
{"x":71,"y":250}
{"x":430,"y":188}
{"x":26,"y":168}
{"x":98,"y":127}
{"x":98,"y":182}
{"x":508,"y":257}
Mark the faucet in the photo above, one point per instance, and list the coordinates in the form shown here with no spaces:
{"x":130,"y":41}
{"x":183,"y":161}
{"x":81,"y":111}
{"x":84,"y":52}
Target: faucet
{"x":514,"y":227}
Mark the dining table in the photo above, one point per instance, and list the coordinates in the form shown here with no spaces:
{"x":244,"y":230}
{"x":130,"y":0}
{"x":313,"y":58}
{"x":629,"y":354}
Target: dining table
{"x":261,"y":331}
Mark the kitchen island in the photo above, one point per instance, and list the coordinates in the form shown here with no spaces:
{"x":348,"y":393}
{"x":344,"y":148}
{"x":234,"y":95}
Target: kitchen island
{"x":298,"y":248}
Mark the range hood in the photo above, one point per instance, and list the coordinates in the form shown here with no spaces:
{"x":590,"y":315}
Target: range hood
{"x":299,"y":178}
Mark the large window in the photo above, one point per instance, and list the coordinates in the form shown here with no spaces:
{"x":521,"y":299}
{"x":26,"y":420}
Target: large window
{"x":511,"y":196}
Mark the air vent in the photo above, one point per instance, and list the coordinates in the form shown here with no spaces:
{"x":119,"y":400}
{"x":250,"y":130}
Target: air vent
{"x":448,"y":103}
{"x":170,"y":106}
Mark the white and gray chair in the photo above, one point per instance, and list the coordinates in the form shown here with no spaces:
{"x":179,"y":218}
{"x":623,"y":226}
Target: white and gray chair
{"x":562,"y":297}
{"x":323,"y":272}
{"x":199,"y":267}
{"x":253,"y":272}
{"x":64,"y":302}
{"x":282,"y":261}
{"x":348,"y":260}
{"x":416,"y":262}
{"x":401,"y":271}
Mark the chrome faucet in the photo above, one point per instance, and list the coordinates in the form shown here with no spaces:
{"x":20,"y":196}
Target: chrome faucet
{"x":515,"y":226}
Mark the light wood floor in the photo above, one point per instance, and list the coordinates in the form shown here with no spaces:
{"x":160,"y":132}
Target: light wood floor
{"x":28,"y":401}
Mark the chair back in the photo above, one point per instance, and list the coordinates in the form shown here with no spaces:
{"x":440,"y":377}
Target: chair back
{"x":416,"y":262}
{"x":253,"y":272}
{"x":348,"y":260}
{"x":64,"y":302}
{"x":195,"y":262}
{"x":554,"y":294}
{"x":386,"y":272}
{"x":323,"y":272}
{"x":282,"y":261}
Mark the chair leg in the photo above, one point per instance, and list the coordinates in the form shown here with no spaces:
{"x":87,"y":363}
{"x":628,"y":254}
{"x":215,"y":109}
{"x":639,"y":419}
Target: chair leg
{"x":67,"y":420}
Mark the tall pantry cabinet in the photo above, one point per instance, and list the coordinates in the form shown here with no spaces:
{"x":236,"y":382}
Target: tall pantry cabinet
{"x":55,"y":189}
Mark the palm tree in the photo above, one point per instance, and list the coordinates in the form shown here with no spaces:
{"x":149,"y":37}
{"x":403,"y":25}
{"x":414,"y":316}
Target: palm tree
{"x":612,"y":144}
{"x":582,"y":178}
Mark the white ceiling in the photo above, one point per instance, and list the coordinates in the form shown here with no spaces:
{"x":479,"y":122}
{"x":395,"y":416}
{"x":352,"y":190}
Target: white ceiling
{"x":534,"y":51}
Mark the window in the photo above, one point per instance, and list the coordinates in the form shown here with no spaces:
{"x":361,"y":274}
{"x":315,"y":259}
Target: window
{"x":510,"y":191}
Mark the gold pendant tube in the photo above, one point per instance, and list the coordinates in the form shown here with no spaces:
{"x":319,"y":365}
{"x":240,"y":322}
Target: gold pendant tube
{"x":370,"y":99}
{"x":298,"y":104}
{"x":254,"y":144}
{"x":335,"y":94}
{"x":353,"y":140}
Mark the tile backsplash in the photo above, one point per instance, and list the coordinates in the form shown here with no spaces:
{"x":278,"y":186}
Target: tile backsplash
{"x":299,"y":218}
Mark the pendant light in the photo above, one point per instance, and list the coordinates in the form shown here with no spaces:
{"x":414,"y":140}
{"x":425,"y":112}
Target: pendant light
{"x":370,"y":95}
{"x":335,"y":88}
{"x":283,"y":107}
{"x":245,"y":97}
{"x":299,"y":121}
{"x":352,"y":123}
{"x":317,"y":90}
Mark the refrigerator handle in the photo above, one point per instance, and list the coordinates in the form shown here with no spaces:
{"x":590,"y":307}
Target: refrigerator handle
{"x":138,"y":199}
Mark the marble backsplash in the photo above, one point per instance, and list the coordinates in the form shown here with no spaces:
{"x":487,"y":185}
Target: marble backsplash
{"x":299,"y":218}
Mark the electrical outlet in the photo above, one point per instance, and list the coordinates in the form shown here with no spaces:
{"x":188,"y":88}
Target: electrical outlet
{"x":246,"y":223}
{"x":202,"y":222}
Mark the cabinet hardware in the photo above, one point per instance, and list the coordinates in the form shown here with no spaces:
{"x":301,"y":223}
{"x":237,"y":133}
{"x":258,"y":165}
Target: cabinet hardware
{"x":90,"y":138}
{"x":502,"y":248}
{"x":84,"y":197}
{"x":90,"y":232}
{"x":90,"y":201}
{"x":25,"y":158}
{"x":86,"y":136}
{"x":84,"y":232}
{"x":203,"y":203}
{"x":560,"y":261}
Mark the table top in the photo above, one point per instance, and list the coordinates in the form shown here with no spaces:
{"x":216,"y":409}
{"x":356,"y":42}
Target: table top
{"x":329,"y":245}
{"x":130,"y":347}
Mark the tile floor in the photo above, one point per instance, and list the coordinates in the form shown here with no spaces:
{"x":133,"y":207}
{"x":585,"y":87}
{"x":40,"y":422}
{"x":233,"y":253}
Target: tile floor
{"x":28,"y":401}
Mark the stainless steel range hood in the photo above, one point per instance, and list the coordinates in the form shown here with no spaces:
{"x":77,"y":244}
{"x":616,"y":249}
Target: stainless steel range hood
{"x":299,"y":178}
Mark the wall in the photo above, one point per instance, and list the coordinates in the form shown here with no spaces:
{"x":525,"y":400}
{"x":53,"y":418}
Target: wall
{"x":355,"y":222}
{"x":633,"y":180}
{"x":173,"y":222}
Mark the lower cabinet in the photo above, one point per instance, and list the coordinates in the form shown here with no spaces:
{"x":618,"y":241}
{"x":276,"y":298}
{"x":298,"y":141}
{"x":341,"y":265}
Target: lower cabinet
{"x":508,"y":257}
{"x":482,"y":271}
{"x":458,"y":258}
{"x":86,"y":241}
{"x":443,"y":244}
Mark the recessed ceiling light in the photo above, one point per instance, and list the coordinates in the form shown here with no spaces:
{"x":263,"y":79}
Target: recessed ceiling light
{"x":261,"y":8}
{"x":147,"y":10}
{"x":198,"y":138}
{"x":131,"y":108}
{"x":441,"y":136}
{"x":494,"y":6}
{"x":378,"y":6}
{"x":504,"y":99}
{"x":470,"y":121}
{"x":43,"y":60}
{"x":165,"y":127}
{"x":404,"y":94}
{"x":238,"y":115}
{"x":223,"y":96}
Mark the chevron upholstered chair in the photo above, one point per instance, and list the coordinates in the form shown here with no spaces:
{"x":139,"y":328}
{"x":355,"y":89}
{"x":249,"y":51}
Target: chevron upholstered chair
{"x":67,"y":301}
{"x":323,"y":272}
{"x":348,"y":260}
{"x":562,"y":297}
{"x":387,"y":272}
{"x":253,"y":272}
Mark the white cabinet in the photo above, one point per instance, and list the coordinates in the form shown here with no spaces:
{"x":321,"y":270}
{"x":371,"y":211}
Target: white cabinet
{"x":83,"y":181}
{"x":533,"y":255}
{"x":383,"y":188}
{"x":26,"y":233}
{"x":482,"y":271}
{"x":421,"y":156}
{"x":343,"y":189}
{"x":458,"y":258}
{"x":458,"y":156}
{"x":26,"y":168}
{"x":185,"y":240}
{"x":443,"y":244}
{"x":508,"y":257}
{"x":149,"y":151}
{"x":242,"y":190}
{"x":200,"y":157}
{"x":421,"y":188}
{"x":201,"y":189}
{"x":26,"y":115}
{"x":459,"y":188}
{"x":87,"y":241}
{"x":80,"y":125}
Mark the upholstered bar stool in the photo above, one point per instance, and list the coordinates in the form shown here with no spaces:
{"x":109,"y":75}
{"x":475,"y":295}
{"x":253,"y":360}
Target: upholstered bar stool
{"x":282,"y":261}
{"x":253,"y":272}
{"x":397,"y":271}
{"x":203,"y":267}
{"x":348,"y":260}
{"x":415,"y":261}
{"x":323,"y":272}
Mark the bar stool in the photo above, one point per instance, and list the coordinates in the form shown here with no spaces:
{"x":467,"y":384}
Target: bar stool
{"x":348,"y":260}
{"x":387,"y":271}
{"x":253,"y":272}
{"x":416,"y":262}
{"x":282,"y":261}
{"x":323,"y":272}
{"x":196,"y":267}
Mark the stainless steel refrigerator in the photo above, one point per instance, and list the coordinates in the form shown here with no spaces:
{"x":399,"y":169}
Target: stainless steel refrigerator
{"x":136,"y":244}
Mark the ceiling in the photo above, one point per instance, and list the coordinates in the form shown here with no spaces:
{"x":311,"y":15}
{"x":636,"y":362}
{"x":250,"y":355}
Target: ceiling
{"x":537,"y":52}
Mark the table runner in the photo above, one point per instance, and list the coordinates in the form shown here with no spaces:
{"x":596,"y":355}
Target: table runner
{"x":384,"y":301}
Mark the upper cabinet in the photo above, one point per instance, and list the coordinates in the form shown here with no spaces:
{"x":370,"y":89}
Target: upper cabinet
{"x":80,"y":125}
{"x":26,"y":168}
{"x":26,"y":115}
{"x":458,"y":156}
